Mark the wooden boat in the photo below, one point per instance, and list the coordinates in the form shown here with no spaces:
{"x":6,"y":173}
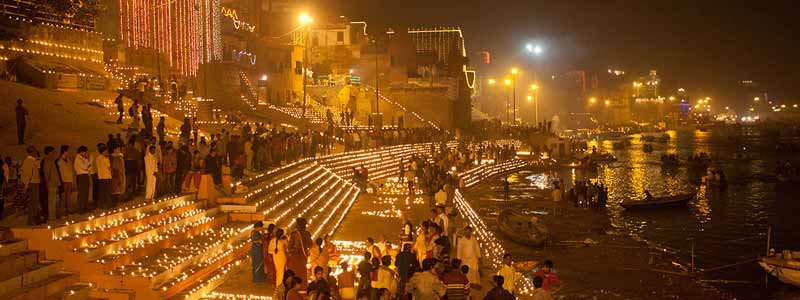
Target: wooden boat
{"x":786,"y":270}
{"x":657,"y":202}
{"x":521,"y":229}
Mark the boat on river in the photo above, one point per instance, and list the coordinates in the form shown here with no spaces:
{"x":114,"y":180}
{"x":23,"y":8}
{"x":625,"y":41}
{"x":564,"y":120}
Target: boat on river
{"x":786,"y":269}
{"x":521,"y":228}
{"x":658,"y":202}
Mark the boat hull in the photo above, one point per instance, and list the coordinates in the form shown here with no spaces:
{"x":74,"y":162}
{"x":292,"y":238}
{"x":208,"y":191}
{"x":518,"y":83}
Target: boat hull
{"x":517,"y":228}
{"x":785,"y":275}
{"x":671,"y":201}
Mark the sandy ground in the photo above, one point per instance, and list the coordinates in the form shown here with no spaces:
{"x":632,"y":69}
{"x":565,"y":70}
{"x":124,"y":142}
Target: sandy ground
{"x":57,"y":117}
{"x":617,"y":267}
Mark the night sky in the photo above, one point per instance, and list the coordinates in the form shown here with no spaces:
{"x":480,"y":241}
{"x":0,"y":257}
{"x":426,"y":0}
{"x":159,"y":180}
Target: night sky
{"x":704,"y":44}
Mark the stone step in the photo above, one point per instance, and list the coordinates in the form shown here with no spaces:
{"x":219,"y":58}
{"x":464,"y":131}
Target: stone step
{"x":331,"y":218}
{"x":29,"y":275}
{"x":79,"y":291}
{"x":126,"y":241}
{"x":100,"y":233}
{"x":12,"y":246}
{"x":18,"y":262}
{"x":105,"y":221}
{"x":113,"y":261}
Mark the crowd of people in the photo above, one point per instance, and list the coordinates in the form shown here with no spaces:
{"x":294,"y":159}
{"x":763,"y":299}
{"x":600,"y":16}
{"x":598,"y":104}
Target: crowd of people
{"x":362,"y":138}
{"x":586,"y":194}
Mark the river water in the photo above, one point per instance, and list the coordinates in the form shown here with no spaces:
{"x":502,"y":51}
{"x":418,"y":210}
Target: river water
{"x":728,"y":226}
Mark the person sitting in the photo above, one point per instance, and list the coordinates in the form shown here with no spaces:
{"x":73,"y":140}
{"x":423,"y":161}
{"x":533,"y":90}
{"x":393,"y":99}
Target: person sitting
{"x":498,"y":292}
{"x":551,"y":282}
{"x":539,"y":293}
{"x":647,"y":195}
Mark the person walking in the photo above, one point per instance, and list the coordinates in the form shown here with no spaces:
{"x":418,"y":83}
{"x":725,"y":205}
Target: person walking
{"x":31,"y":179}
{"x":83,"y":178}
{"x":67,"y":172}
{"x":22,"y":121}
{"x":120,"y":108}
{"x":150,"y":170}
{"x":469,"y":252}
{"x":103,"y":165}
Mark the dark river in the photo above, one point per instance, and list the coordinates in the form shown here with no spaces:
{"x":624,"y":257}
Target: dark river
{"x":728,"y":225}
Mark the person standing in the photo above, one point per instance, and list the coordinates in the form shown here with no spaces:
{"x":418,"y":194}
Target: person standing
{"x":319,"y":289}
{"x":509,"y":274}
{"x":31,"y":179}
{"x":67,"y":172}
{"x":404,"y":262}
{"x":150,"y":171}
{"x":170,"y":165}
{"x":161,"y":129}
{"x":83,"y":178}
{"x":133,"y":156}
{"x":117,"y":175}
{"x":299,"y":245}
{"x":103,"y":165}
{"x":184,"y":158}
{"x":52,"y":181}
{"x":425,"y":284}
{"x":257,"y":253}
{"x":469,"y":252}
{"x":277,"y":247}
{"x":22,"y":121}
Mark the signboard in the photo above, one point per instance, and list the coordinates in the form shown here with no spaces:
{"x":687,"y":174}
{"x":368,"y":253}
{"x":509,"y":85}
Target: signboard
{"x":355,"y":80}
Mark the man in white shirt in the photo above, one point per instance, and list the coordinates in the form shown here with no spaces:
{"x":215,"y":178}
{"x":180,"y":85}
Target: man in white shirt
{"x":443,"y":220}
{"x":469,"y":252}
{"x":83,"y":177}
{"x":440,"y":197}
{"x":31,"y":179}
{"x":150,"y":170}
{"x":509,"y":274}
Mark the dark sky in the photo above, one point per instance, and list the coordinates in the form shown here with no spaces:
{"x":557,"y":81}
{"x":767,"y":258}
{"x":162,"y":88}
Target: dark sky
{"x":708,"y":44}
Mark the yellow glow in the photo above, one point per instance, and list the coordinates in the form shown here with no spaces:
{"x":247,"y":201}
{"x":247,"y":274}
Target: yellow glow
{"x":671,"y":98}
{"x":757,"y":98}
{"x":534,"y":87}
{"x":492,"y":81}
{"x":305,"y":18}
{"x":507,"y":81}
{"x":592,"y":100}
{"x":514,"y":71}
{"x":608,"y":102}
{"x":530,"y":98}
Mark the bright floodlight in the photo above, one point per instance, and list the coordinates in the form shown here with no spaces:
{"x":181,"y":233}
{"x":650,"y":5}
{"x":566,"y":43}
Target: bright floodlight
{"x":305,"y":19}
{"x":537,"y":50}
{"x":507,"y":81}
{"x":514,"y":71}
{"x":534,"y":87}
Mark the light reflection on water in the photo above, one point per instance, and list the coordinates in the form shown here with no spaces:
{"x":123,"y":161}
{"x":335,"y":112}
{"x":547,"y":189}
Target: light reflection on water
{"x":729,"y":225}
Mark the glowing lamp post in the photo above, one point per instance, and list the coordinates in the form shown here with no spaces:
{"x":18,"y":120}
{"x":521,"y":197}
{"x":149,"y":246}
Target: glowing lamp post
{"x":305,"y":21}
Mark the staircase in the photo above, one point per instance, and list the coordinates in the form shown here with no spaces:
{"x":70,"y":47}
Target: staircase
{"x":26,"y":275}
{"x":249,"y":95}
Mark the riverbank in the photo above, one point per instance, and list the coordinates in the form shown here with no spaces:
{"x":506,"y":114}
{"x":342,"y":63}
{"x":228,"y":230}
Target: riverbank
{"x":609,"y":267}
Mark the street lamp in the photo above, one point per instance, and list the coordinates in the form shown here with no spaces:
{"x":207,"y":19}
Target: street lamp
{"x":305,"y":20}
{"x":507,"y":83}
{"x":514,"y":73}
{"x":535,"y":89}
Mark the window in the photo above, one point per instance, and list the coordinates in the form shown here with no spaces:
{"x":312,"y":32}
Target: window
{"x":340,"y":36}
